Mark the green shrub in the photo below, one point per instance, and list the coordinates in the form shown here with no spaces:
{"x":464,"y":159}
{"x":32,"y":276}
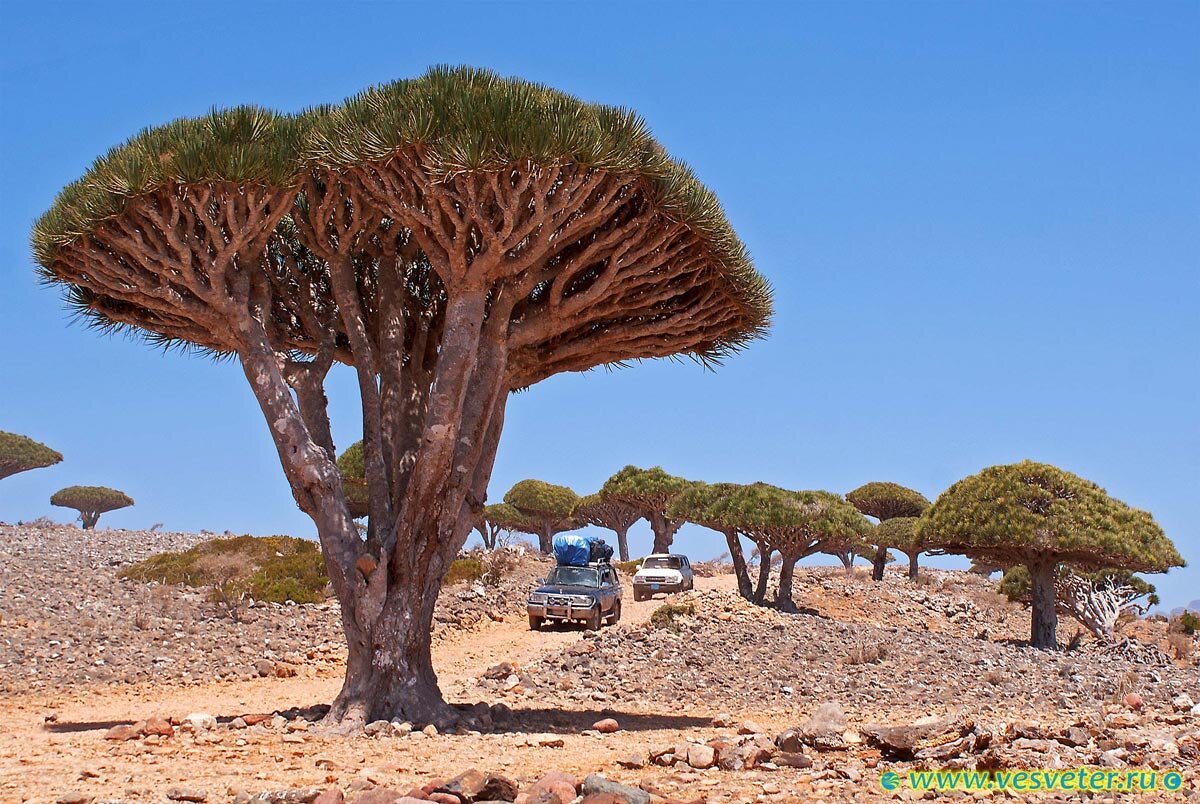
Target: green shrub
{"x":272,"y":569}
{"x":666,"y":618}
{"x":1189,"y":623}
{"x":465,"y":570}
{"x":628,"y":567}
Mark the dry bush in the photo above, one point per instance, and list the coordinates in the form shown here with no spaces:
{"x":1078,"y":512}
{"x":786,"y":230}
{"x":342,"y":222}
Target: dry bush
{"x":994,"y":677}
{"x":468,"y":569}
{"x":721,"y":565}
{"x":1182,"y":645}
{"x":866,"y":653}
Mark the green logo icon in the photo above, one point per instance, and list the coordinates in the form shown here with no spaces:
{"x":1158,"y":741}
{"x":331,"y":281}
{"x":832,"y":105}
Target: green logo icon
{"x":890,"y":780}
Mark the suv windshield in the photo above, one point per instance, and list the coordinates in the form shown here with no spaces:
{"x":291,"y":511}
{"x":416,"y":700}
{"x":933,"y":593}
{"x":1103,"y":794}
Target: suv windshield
{"x":573,"y":576}
{"x":661,"y":562}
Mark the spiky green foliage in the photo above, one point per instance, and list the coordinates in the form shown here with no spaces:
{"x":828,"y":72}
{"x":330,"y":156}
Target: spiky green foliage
{"x":90,"y":501}
{"x":245,"y":144}
{"x":461,"y":119}
{"x":468,"y":119}
{"x":887,"y":500}
{"x":542,"y":500}
{"x":644,"y":488}
{"x":788,"y":521}
{"x":19,"y":453}
{"x":898,"y":532}
{"x":508,"y":518}
{"x":1014,"y":513}
{"x":273,"y":569}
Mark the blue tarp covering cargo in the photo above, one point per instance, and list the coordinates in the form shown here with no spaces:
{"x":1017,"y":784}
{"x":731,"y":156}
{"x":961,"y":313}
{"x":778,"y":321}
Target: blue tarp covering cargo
{"x":572,"y":549}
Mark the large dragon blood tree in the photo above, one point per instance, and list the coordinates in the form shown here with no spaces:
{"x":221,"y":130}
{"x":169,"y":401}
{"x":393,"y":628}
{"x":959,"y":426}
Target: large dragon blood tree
{"x":452,"y":238}
{"x":20,"y":453}
{"x":1039,"y":516}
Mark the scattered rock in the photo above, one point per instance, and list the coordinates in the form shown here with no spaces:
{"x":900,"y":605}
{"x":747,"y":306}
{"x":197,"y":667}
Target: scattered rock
{"x":606,"y":726}
{"x":622,"y":794}
{"x":186,"y":794}
{"x":1133,"y":701}
{"x":905,"y":741}
{"x":823,"y":730}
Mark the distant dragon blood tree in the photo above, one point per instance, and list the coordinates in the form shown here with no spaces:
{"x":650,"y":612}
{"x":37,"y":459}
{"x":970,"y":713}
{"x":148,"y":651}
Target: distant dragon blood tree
{"x":1039,"y":516}
{"x":899,"y":533}
{"x":886,"y":501}
{"x":504,"y":518}
{"x":614,"y":515}
{"x":90,"y":502}
{"x":650,"y":492}
{"x":452,"y":238}
{"x":796,"y":524}
{"x":19,"y":453}
{"x":354,"y":480}
{"x":546,"y":505}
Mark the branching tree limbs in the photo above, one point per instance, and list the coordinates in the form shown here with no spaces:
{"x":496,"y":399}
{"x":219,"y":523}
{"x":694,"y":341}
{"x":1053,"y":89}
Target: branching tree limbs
{"x":796,"y":524}
{"x":886,"y":501}
{"x":650,"y":492}
{"x":1097,"y":600}
{"x":1039,"y":516}
{"x":452,"y":238}
{"x":899,"y":533}
{"x":547,"y":506}
{"x":19,"y":453}
{"x":90,"y":502}
{"x":612,"y":514}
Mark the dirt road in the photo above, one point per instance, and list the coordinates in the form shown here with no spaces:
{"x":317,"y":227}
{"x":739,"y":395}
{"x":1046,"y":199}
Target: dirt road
{"x":69,"y":756}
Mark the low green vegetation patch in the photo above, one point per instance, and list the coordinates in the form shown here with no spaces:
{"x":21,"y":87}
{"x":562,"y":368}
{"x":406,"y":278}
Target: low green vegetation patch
{"x":628,"y":567}
{"x":273,"y":569}
{"x":666,"y":618}
{"x":465,"y":570}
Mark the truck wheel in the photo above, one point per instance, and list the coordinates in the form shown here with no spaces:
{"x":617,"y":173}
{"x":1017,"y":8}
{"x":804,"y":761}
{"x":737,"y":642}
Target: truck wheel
{"x":614,"y":616}
{"x":592,"y":623}
{"x":535,"y":622}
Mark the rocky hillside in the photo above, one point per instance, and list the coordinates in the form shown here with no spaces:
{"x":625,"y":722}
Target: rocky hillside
{"x":66,"y":619}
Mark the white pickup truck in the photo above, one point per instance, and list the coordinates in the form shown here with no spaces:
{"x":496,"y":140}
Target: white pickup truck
{"x":662,"y":572}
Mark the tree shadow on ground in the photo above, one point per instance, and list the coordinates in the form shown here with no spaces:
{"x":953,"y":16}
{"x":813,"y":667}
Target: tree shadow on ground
{"x":540,"y":720}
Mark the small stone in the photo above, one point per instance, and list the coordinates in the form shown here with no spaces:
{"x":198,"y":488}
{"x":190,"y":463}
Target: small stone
{"x":158,"y":726}
{"x":430,"y":730}
{"x":594,"y":783}
{"x":1132,"y":701}
{"x":606,"y":726}
{"x":186,"y":794}
{"x":124,"y":732}
{"x":376,"y":727}
{"x":200,"y":721}
{"x":701,"y":757}
{"x":1182,"y":702}
{"x":401,"y":728}
{"x":632,"y":761}
{"x":749,"y":727}
{"x":333,"y":795}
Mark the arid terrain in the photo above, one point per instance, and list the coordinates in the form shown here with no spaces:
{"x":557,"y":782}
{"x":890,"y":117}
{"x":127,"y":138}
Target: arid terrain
{"x":725,"y":703}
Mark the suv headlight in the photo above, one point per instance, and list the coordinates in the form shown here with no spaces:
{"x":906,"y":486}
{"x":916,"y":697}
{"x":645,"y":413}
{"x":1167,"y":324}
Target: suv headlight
{"x":582,"y":600}
{"x":537,"y":597}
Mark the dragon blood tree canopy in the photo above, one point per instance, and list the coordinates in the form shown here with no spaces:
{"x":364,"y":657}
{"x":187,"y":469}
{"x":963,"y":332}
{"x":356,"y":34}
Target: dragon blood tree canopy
{"x":453,"y":238}
{"x":20,"y":453}
{"x":597,"y":245}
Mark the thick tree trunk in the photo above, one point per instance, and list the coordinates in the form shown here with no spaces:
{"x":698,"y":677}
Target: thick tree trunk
{"x":879,"y":564}
{"x":783,"y":598}
{"x":89,"y":519}
{"x":546,"y":540}
{"x":847,"y":559}
{"x":739,"y":564}
{"x":664,"y":531}
{"x":1044,"y":625}
{"x":764,"y":573}
{"x":389,"y":668}
{"x":622,"y":542}
{"x":912,"y":566}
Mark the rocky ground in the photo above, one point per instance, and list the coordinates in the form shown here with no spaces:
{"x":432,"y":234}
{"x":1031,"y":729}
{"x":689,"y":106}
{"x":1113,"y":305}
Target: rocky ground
{"x":116,"y":691}
{"x":66,"y":619}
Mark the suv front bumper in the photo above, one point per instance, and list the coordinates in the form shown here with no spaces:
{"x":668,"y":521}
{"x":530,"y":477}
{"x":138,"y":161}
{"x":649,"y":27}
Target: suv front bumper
{"x":569,"y":611}
{"x":649,"y":587}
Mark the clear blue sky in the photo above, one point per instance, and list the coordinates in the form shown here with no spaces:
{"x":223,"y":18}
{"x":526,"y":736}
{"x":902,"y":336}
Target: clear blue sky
{"x":982,"y":222}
